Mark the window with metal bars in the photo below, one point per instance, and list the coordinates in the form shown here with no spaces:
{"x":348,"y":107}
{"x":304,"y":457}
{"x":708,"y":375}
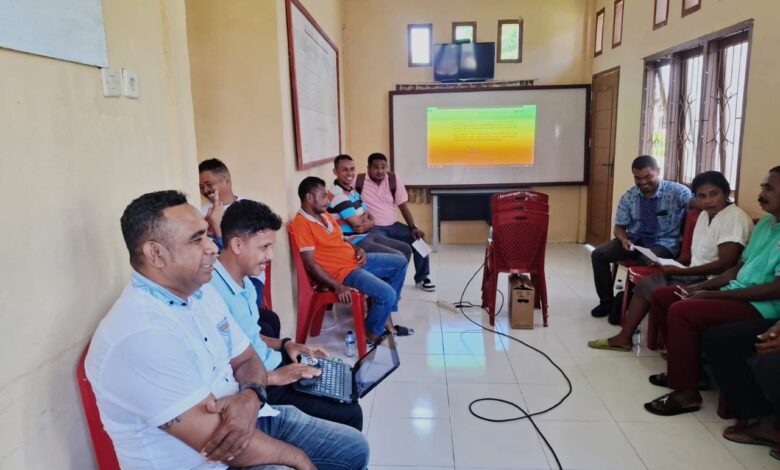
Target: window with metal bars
{"x":694,"y":102}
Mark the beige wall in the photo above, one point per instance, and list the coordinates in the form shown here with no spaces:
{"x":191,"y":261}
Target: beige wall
{"x":243,"y":111}
{"x":760,"y":148}
{"x":555,"y":42}
{"x":71,"y":161}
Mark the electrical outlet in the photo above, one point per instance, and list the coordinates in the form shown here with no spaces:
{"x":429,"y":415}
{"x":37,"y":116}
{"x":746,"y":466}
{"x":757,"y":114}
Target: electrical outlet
{"x":111,"y":82}
{"x":130,"y":86}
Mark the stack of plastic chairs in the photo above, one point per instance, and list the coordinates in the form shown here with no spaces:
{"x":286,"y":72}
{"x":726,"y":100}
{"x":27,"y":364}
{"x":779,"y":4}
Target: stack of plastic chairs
{"x":517,"y":245}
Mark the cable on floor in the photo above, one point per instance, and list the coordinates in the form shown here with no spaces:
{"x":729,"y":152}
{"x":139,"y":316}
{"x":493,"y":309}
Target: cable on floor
{"x":526,"y":415}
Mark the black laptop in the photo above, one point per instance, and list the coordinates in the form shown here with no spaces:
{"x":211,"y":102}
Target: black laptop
{"x":340,"y":382}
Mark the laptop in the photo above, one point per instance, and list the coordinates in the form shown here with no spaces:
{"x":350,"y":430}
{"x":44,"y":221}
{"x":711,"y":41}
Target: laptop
{"x":340,"y":382}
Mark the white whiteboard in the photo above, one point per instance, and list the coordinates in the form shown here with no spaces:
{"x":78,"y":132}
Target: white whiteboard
{"x":315,"y":86}
{"x":560,"y":137}
{"x":70,"y":30}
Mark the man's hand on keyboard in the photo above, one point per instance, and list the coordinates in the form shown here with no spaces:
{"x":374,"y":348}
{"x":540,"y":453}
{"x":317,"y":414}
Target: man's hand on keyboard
{"x":291,"y":373}
{"x":294,"y":350}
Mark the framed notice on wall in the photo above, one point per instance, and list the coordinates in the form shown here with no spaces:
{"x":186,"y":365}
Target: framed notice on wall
{"x":314,"y":75}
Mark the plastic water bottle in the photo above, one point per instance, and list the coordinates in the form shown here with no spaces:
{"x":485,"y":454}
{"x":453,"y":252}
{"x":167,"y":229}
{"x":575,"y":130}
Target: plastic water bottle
{"x":350,"y":346}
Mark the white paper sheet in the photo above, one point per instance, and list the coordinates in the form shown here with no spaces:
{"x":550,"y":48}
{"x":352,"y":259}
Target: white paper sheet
{"x":654,"y":258}
{"x":421,"y":247}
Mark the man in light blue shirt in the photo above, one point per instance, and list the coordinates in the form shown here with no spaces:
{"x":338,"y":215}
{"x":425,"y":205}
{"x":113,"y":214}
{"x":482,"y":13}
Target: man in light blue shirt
{"x":248,"y":234}
{"x":649,"y":215}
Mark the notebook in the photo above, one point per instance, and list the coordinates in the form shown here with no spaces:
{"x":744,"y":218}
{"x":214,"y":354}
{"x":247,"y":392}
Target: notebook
{"x":340,"y":382}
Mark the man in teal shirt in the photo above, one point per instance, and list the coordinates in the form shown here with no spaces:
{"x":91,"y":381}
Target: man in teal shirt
{"x":748,"y":291}
{"x":248,"y":234}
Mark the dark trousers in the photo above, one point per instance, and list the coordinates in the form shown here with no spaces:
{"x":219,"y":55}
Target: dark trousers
{"x":612,"y":252}
{"x":376,"y":243}
{"x":683,"y":322}
{"x":750,"y":383}
{"x":269,"y":323}
{"x":399,"y":231}
{"x":350,"y":414}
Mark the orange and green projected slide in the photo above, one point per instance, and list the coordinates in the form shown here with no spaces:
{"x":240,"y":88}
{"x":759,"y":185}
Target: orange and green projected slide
{"x":481,"y":136}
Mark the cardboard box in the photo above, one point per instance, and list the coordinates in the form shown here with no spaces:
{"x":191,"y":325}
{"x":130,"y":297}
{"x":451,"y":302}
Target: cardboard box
{"x":521,"y":302}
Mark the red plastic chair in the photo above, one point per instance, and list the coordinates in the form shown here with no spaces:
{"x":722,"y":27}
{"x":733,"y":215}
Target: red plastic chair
{"x":101,"y":443}
{"x":636,"y":273}
{"x":267,"y":304}
{"x":518,"y":246}
{"x":313,"y":302}
{"x":511,"y":204}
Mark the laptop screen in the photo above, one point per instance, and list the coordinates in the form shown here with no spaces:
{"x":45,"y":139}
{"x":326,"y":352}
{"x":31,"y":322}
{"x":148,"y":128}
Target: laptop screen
{"x":376,"y":365}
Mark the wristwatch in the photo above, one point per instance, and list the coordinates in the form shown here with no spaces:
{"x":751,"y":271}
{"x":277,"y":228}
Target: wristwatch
{"x":259,"y":391}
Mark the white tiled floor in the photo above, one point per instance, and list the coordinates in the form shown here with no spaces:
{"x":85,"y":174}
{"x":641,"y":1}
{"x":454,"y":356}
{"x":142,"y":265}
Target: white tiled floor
{"x":419,"y":416}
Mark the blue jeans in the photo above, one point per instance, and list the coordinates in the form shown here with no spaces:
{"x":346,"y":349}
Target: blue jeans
{"x":400,"y":232}
{"x":329,"y":445}
{"x":381,"y":279}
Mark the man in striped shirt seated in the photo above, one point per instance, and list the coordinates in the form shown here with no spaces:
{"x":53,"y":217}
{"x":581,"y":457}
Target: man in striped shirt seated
{"x":353,"y":216}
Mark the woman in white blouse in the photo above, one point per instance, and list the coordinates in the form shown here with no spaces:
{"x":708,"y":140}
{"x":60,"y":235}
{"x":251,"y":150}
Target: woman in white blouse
{"x":720,"y":235}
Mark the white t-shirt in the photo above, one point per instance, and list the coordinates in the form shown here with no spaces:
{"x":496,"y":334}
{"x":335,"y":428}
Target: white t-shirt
{"x":731,"y":224}
{"x":152,"y":358}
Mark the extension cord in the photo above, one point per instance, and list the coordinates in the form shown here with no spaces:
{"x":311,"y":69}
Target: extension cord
{"x":447,"y":305}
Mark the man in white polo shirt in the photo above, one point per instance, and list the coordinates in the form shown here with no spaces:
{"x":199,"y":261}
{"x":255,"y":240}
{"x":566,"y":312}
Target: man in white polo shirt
{"x":177,"y":384}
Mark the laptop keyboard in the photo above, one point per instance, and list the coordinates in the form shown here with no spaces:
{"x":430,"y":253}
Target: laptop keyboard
{"x":331,"y":381}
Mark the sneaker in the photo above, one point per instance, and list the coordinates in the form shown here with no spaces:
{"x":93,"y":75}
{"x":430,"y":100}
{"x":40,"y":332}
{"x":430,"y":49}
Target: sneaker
{"x":426,"y":285}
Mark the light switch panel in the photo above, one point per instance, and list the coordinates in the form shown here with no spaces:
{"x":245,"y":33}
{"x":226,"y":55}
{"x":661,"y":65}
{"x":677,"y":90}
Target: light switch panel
{"x":111,"y":82}
{"x":130,"y":86}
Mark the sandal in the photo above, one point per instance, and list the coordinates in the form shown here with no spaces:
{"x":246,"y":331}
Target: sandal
{"x":740,"y":435}
{"x":403,"y":331}
{"x":661,"y":380}
{"x":604,"y":344}
{"x":775,"y":453}
{"x":667,"y":405}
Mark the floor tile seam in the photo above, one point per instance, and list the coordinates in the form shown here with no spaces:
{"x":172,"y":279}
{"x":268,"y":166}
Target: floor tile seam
{"x":721,"y":440}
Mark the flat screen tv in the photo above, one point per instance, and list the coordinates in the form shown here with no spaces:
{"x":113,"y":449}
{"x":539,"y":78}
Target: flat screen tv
{"x":468,"y":61}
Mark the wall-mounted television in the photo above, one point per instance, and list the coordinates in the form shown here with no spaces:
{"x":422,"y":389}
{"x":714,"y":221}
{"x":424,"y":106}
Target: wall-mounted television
{"x":462,"y":62}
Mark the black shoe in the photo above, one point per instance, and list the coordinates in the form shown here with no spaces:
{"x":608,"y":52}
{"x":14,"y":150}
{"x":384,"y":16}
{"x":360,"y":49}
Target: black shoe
{"x":602,"y":310}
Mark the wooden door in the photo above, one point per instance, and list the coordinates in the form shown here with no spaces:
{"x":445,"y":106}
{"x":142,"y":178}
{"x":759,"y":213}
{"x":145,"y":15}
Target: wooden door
{"x":602,"y":155}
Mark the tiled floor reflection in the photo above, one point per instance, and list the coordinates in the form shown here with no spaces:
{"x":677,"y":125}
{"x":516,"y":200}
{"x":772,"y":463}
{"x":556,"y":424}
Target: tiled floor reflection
{"x":419,"y":417}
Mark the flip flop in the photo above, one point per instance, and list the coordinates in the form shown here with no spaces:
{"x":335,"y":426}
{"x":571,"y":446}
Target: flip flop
{"x":667,"y":405}
{"x":741,"y":437}
{"x":403,"y":331}
{"x":604,"y":344}
{"x":661,"y":380}
{"x":775,"y":453}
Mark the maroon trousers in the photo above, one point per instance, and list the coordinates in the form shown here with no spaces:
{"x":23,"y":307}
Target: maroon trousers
{"x":683,"y":321}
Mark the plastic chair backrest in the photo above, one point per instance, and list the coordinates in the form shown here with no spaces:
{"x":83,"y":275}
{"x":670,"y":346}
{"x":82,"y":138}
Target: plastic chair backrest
{"x":305,"y":284}
{"x":690,"y":224}
{"x":267,"y":304}
{"x":520,"y":196}
{"x":519,"y":239}
{"x":511,"y":204}
{"x":102,"y":445}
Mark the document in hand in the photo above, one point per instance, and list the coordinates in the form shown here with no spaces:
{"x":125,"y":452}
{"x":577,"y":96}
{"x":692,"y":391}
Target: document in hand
{"x":421,"y":247}
{"x":654,"y":258}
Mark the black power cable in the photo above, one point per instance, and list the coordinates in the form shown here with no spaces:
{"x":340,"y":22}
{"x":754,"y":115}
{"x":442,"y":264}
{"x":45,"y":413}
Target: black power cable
{"x":526,"y":415}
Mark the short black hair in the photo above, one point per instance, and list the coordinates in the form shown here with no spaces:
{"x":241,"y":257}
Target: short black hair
{"x":245,"y":218}
{"x":644,"y":161}
{"x":213,"y":165}
{"x":376,"y":156}
{"x":775,"y":170}
{"x":309,"y":184}
{"x":341,"y":157}
{"x":714,"y":178}
{"x":143,"y":220}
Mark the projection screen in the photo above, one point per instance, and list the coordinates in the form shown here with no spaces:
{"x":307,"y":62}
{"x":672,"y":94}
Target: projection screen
{"x":490,"y":137}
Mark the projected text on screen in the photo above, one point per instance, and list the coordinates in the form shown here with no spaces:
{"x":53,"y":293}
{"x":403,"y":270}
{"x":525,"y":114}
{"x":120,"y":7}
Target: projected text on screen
{"x":484,"y":136}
